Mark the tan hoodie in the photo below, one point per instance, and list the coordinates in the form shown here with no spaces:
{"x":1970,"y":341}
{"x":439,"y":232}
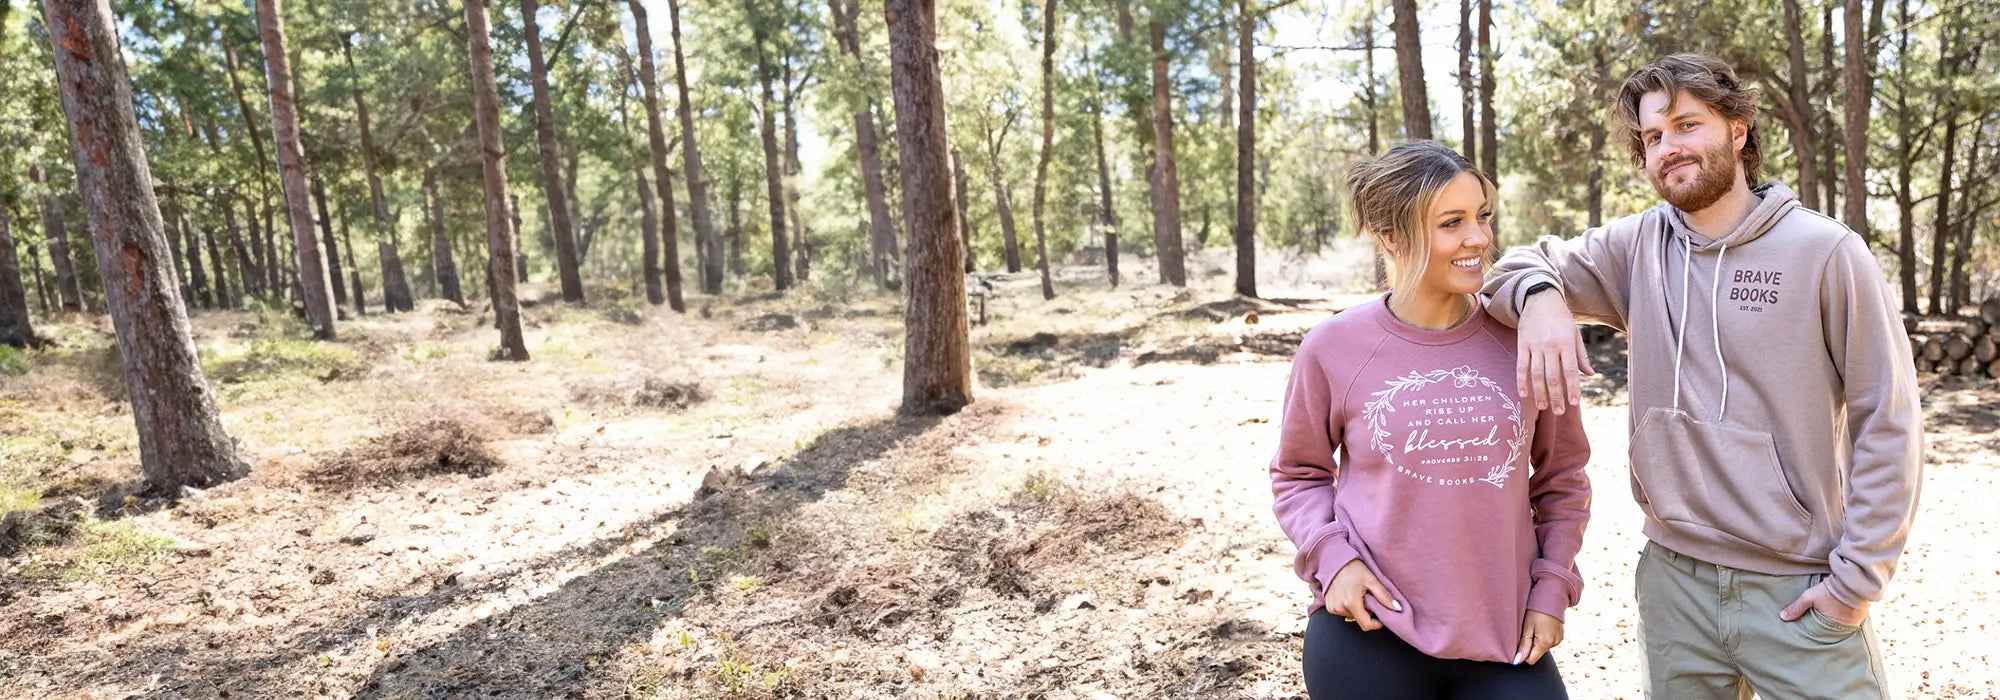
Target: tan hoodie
{"x":1775,"y":424}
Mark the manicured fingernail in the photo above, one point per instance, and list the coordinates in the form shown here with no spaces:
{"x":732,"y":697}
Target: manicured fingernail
{"x":1518,"y":656}
{"x":1397,"y":605}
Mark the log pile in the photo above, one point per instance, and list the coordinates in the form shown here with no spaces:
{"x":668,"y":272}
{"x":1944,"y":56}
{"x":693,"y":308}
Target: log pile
{"x":1965,"y":347}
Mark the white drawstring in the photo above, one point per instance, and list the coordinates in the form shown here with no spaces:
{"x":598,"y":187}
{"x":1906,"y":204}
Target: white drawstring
{"x":1715,"y":320}
{"x":1680,"y":335}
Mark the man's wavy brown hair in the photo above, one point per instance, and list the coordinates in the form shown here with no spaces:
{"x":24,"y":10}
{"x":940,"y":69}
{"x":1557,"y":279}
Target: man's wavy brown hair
{"x":1706,"y":78}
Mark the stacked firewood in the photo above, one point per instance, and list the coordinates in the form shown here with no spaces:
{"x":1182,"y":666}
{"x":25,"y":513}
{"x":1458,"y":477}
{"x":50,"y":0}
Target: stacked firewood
{"x":1966,"y":347}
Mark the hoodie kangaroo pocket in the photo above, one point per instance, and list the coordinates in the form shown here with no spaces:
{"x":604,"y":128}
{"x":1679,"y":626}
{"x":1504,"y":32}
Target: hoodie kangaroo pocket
{"x":1718,"y":477}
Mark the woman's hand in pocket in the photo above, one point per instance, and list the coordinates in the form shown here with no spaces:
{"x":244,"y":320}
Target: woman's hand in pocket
{"x":1540,"y":632}
{"x":1349,"y":585}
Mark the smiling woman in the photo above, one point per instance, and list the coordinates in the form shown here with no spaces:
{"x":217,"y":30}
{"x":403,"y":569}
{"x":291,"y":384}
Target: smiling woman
{"x":1431,"y":562}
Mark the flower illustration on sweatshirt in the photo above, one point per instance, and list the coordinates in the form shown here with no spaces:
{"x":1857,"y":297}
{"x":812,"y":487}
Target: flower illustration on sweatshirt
{"x":1447,"y":427}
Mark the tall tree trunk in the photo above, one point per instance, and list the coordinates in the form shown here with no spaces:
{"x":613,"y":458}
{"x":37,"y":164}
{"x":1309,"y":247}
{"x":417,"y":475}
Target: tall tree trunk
{"x":174,"y":254}
{"x":1489,"y":129}
{"x":1594,"y":192}
{"x":552,"y":179}
{"x":444,"y":263}
{"x":1801,"y":102}
{"x":353,"y":266}
{"x":520,"y":245}
{"x":1859,"y":75}
{"x":1167,"y":214}
{"x":332,"y":245}
{"x":937,"y":353}
{"x":41,"y":282}
{"x":1010,"y":246}
{"x":882,"y":245}
{"x":706,"y":237}
{"x":781,"y":258}
{"x":649,"y":222}
{"x":1370,"y":103}
{"x":801,"y":238}
{"x":1048,"y":145}
{"x":267,"y":259}
{"x":1468,"y":94}
{"x":311,"y":261}
{"x":1246,"y":159}
{"x":396,"y":294}
{"x":1941,"y":232}
{"x":181,"y":439}
{"x":493,"y":155}
{"x":1828,"y":129}
{"x":56,"y":234}
{"x":1139,"y":104}
{"x":223,"y":296}
{"x":962,"y":200}
{"x":1410,"y":71}
{"x":1107,"y":214}
{"x":736,"y":265}
{"x":663,"y":178}
{"x":1961,"y":288}
{"x":1906,"y":248}
{"x":16,"y":329}
{"x":197,"y":269}
{"x":246,"y":260}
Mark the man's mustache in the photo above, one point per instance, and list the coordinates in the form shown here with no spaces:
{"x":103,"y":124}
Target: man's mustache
{"x":1670,"y":165}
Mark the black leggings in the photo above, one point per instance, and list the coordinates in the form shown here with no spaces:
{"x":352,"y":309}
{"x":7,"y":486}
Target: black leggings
{"x":1344,"y":662}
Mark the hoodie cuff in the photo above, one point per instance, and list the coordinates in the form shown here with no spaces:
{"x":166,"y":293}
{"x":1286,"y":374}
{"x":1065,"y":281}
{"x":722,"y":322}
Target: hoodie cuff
{"x":1527,"y":282}
{"x":1324,"y":556}
{"x":1846,"y":594}
{"x":1555,"y":590}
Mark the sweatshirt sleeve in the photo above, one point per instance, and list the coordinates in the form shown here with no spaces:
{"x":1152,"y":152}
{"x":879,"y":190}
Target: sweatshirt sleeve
{"x":1559,"y":492}
{"x":1865,"y":338}
{"x":1303,"y":472}
{"x":1592,"y":271}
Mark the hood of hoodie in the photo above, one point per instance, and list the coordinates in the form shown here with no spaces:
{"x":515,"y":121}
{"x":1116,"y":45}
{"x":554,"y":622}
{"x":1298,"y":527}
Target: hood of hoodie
{"x":1775,"y":201}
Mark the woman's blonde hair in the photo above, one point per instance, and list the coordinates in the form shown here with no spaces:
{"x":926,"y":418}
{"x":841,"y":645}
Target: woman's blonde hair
{"x":1392,"y":196}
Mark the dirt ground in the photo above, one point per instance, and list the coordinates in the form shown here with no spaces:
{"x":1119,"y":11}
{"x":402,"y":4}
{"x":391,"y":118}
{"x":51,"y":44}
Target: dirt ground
{"x":724,"y":504}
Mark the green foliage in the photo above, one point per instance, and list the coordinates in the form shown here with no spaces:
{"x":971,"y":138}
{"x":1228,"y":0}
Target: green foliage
{"x":13,"y":361}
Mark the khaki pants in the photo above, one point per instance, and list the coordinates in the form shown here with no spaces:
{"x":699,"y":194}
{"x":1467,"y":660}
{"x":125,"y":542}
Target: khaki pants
{"x":1714,"y":632}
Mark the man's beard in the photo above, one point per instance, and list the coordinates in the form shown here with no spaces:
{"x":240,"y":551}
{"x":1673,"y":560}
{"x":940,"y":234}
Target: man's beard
{"x":1713,"y":179}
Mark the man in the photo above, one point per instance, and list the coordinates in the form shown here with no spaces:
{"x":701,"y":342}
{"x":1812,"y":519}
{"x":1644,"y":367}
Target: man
{"x":1776,"y":437}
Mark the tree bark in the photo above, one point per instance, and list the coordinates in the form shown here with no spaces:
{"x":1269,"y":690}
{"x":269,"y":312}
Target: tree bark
{"x":197,"y":268}
{"x":802,"y":249}
{"x":706,"y":237}
{"x":174,"y":254}
{"x":1594,"y":189}
{"x":1370,"y":104}
{"x":962,"y":200}
{"x":552,"y":178}
{"x":1468,"y":94}
{"x":332,"y":245}
{"x":1048,"y":145}
{"x":1246,"y":158}
{"x":181,"y":439}
{"x":444,"y":263}
{"x":1906,"y":248}
{"x":353,"y":267}
{"x":223,"y":297}
{"x":1010,"y":246}
{"x":1167,"y":209}
{"x":1828,"y":143}
{"x":1410,"y":71}
{"x":937,"y":361}
{"x":493,"y":155}
{"x":882,"y":245}
{"x":1961,"y":289}
{"x":41,"y":282}
{"x":311,"y":262}
{"x":1107,"y":214}
{"x":55,"y":232}
{"x":649,"y":222}
{"x":261,"y":242}
{"x":1941,"y":232}
{"x":663,"y":178}
{"x":16,"y":328}
{"x":1859,"y":75}
{"x":1489,"y":129}
{"x":246,"y":259}
{"x":520,"y":246}
{"x":1801,"y":102}
{"x":781,"y":258}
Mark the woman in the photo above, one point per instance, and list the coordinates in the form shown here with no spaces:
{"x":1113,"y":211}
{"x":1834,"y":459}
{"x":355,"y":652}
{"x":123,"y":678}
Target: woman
{"x":1440,"y":544}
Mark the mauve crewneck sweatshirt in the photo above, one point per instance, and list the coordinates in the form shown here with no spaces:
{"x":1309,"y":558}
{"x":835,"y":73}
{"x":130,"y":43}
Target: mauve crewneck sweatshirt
{"x":1468,"y":504}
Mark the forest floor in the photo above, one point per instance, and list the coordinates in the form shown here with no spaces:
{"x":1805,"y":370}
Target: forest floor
{"x":725,"y":504}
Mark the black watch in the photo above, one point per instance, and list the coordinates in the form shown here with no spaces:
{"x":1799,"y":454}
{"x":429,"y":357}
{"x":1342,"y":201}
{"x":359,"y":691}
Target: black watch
{"x":1538,"y":288}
